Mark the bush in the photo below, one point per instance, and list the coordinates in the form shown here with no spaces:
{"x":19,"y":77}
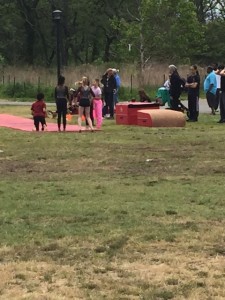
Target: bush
{"x":26,"y":91}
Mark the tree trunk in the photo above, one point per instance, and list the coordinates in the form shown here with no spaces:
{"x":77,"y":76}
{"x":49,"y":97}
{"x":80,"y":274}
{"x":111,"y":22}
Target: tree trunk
{"x":109,"y":41}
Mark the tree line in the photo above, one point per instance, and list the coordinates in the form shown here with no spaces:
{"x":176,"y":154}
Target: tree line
{"x":97,"y":31}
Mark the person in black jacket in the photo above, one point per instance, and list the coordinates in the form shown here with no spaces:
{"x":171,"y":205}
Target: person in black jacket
{"x":222,"y":94}
{"x":109,"y":88}
{"x":175,"y":88}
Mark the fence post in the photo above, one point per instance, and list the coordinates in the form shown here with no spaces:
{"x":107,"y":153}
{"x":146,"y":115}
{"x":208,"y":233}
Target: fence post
{"x":3,"y":79}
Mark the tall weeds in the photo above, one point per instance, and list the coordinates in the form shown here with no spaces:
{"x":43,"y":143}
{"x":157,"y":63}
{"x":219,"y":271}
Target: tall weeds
{"x":154,"y":75}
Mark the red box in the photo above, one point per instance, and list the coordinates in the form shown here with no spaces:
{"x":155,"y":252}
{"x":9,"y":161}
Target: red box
{"x":126,"y":112}
{"x":144,"y":119}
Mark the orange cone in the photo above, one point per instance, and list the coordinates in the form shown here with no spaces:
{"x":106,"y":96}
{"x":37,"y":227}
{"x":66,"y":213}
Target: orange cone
{"x":69,"y":117}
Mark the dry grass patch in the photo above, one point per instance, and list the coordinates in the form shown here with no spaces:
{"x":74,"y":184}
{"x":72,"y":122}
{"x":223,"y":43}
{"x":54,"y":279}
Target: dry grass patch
{"x":39,"y":280}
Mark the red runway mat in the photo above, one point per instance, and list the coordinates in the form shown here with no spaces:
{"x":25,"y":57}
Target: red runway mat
{"x":25,"y":124}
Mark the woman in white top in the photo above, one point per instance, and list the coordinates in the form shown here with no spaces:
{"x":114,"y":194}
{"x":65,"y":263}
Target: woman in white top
{"x":97,"y":102}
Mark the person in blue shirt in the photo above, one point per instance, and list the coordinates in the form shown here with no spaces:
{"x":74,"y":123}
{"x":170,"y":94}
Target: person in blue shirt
{"x":210,"y":87}
{"x":118,"y":84}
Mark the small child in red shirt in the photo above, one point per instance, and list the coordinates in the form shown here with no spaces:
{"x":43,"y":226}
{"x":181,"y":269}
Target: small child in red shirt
{"x":38,"y":110}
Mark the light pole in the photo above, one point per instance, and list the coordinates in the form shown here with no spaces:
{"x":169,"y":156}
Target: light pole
{"x":56,"y":15}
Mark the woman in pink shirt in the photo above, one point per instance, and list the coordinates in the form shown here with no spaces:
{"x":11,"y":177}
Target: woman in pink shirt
{"x":97,"y":102}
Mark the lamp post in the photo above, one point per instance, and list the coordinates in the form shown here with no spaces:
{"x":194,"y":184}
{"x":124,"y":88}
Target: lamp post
{"x":56,"y":15}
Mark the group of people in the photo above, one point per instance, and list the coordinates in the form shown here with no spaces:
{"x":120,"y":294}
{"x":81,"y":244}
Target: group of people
{"x":214,"y":87}
{"x":101,"y":99}
{"x":175,"y":84}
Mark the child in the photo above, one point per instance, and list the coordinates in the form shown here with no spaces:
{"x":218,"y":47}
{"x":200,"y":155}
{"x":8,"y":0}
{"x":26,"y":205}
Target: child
{"x":38,"y":110}
{"x":97,"y":102}
{"x":143,"y":96}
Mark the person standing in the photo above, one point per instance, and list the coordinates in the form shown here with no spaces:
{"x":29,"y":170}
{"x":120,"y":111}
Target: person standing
{"x":218,"y":80}
{"x":109,"y":88}
{"x":193,"y":83}
{"x":61,"y":98}
{"x":97,"y":103}
{"x":222,"y":94}
{"x":85,"y":92}
{"x":118,"y":84}
{"x":175,"y":88}
{"x":38,"y":110}
{"x":210,"y":87}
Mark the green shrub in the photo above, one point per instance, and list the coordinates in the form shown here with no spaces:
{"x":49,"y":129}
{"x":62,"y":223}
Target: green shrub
{"x":26,"y":91}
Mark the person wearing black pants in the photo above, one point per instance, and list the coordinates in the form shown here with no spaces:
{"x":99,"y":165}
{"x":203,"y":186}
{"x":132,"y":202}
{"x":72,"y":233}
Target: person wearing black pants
{"x":109,"y":83}
{"x":193,"y":83}
{"x":222,"y":94}
{"x":61,"y":98}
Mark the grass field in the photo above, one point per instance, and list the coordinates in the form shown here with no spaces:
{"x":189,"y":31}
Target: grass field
{"x":126,"y":213}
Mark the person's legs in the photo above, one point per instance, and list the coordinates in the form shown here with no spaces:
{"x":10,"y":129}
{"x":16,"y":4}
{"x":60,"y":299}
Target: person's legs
{"x":193,"y":107}
{"x":174,"y":103}
{"x":80,"y":111}
{"x":211,"y":100}
{"x":36,"y":123}
{"x":43,"y":123}
{"x":64,"y":113}
{"x":217,"y":99}
{"x":115,"y":98}
{"x":196,"y":108}
{"x":91,"y":114}
{"x":98,"y":112}
{"x":59,"y":112}
{"x":87,"y":114}
{"x":222,"y":107}
{"x":190,"y":108}
{"x":111,"y":105}
{"x":107,"y":103}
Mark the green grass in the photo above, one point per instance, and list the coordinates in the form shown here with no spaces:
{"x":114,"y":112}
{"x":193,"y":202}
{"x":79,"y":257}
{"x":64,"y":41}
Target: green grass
{"x":126,"y":213}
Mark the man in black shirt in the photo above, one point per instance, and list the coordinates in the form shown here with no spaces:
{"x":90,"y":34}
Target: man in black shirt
{"x":109,"y":83}
{"x":193,"y":84}
{"x":222,"y":94}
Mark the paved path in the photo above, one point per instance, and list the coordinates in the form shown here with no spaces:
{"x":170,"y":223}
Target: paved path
{"x":203,"y":104}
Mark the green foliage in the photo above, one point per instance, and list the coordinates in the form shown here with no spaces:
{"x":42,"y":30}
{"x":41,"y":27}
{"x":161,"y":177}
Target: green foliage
{"x":100,"y":31}
{"x":25,"y":91}
{"x":215,"y":36}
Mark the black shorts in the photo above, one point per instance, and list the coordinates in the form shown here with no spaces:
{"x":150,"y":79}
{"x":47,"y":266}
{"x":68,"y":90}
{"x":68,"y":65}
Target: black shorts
{"x":38,"y":120}
{"x":84,"y":102}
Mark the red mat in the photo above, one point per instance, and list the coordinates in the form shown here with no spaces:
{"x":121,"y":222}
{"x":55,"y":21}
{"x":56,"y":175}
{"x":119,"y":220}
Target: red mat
{"x":25,"y":124}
